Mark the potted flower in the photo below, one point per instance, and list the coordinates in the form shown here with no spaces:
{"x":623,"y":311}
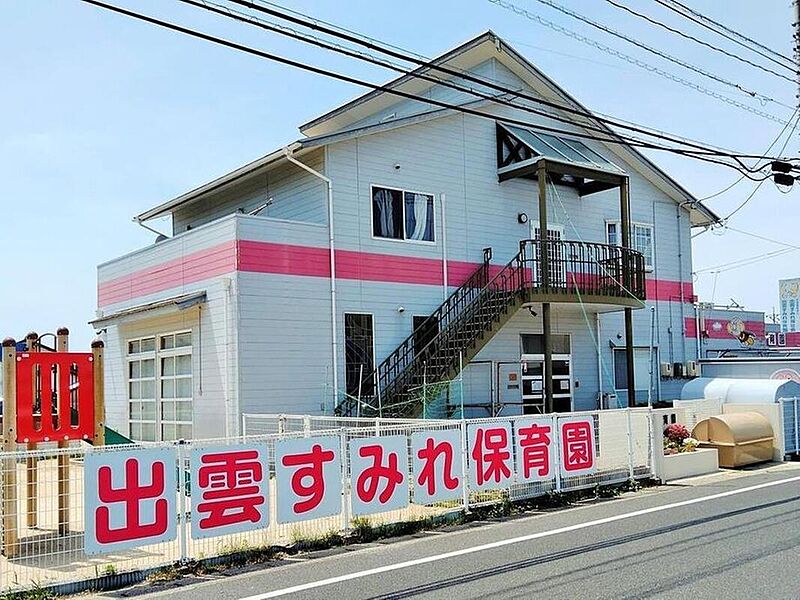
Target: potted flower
{"x":677,"y":439}
{"x":683,"y":457}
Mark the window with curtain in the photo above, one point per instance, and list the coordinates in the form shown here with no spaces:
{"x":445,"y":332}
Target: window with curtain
{"x":402,"y":215}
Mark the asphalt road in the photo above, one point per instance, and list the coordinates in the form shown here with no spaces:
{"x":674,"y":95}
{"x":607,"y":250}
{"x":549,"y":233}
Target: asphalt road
{"x":666,"y":543}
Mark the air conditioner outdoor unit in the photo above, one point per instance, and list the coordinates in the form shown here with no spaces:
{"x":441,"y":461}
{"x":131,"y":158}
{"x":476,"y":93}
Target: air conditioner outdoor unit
{"x":610,"y":400}
{"x":692,"y":368}
{"x":666,"y":369}
{"x":677,"y":369}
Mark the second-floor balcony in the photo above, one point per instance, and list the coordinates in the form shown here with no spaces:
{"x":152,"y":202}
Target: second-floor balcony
{"x":577,"y":271}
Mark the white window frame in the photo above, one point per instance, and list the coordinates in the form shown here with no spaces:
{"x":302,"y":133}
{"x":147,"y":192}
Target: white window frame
{"x":403,"y":191}
{"x":157,"y":354}
{"x":649,"y":266}
{"x":139,"y":357}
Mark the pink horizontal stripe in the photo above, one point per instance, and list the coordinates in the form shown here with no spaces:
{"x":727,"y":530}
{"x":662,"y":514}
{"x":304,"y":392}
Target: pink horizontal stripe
{"x":283,"y":259}
{"x":665,"y":290}
{"x":308,"y":261}
{"x":366,"y":266}
{"x":191,"y":268}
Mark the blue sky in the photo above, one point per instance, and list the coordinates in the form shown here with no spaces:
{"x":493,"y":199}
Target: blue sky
{"x":102,"y":117}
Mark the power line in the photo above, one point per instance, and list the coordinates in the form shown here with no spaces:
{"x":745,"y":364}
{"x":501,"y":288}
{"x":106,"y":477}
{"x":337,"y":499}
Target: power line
{"x":635,"y":61}
{"x":687,"y":36}
{"x":425,"y":60}
{"x":276,"y":28}
{"x":766,"y":152}
{"x":352,"y":36}
{"x":385,"y":88}
{"x":744,"y":262}
{"x":753,"y":193}
{"x":715,"y":26}
{"x":762,"y":237}
{"x":655,"y":51}
{"x":427,"y":63}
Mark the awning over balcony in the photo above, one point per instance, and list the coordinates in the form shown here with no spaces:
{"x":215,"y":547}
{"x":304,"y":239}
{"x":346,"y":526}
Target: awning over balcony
{"x":181,"y":302}
{"x":569,"y":162}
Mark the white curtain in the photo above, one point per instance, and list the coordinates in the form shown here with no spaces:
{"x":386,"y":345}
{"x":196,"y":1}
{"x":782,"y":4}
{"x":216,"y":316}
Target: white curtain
{"x":420,"y":204}
{"x":383,"y":202}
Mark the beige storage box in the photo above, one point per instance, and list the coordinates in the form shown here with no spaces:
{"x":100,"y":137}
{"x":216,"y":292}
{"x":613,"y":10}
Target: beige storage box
{"x":740,"y":438}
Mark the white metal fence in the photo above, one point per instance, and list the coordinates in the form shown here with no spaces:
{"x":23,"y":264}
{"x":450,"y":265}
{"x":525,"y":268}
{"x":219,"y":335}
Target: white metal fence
{"x":50,"y":549}
{"x":264,"y":424}
{"x":694,"y":411}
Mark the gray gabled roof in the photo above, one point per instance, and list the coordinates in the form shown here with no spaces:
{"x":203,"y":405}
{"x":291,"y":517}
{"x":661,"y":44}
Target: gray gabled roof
{"x":338,"y":124}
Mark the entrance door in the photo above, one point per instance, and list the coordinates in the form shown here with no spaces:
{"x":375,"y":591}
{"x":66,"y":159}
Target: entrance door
{"x":557,"y":272}
{"x":532,"y":370}
{"x":425,"y":329}
{"x":509,"y":385}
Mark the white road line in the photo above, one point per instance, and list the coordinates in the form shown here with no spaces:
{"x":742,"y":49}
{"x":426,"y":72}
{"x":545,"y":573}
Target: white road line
{"x":510,"y":541}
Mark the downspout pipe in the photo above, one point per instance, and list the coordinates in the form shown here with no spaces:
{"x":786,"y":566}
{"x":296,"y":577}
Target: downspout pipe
{"x":445,"y":282}
{"x":288,"y":151}
{"x":680,"y":276}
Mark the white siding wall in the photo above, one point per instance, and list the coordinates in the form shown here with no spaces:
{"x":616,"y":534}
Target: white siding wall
{"x":284,"y":328}
{"x":283,"y":321}
{"x":295,"y":193}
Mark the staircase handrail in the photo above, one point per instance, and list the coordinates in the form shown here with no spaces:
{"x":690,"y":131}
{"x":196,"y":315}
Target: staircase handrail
{"x":476,"y":281}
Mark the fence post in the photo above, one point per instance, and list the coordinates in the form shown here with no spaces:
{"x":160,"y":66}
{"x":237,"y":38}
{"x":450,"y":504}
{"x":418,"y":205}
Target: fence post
{"x":182,"y":529}
{"x":557,"y":453}
{"x":345,"y":473}
{"x":650,"y":439}
{"x":796,"y":428}
{"x":464,"y":465}
{"x":62,"y":345}
{"x":281,"y":424}
{"x":657,"y":441}
{"x":377,"y":427}
{"x":630,"y":444}
{"x":9,"y":465}
{"x":32,"y":462}
{"x":306,"y":426}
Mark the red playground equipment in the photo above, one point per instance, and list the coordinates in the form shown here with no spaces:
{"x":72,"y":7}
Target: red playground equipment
{"x":50,"y":395}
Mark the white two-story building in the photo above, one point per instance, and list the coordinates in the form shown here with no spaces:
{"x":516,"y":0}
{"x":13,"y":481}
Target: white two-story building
{"x":358,"y":268}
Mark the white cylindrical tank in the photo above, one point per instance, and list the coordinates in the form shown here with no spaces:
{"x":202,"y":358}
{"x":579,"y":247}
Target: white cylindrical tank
{"x":740,"y":391}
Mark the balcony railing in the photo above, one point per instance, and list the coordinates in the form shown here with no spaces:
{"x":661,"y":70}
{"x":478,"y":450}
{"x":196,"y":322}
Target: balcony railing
{"x":588,"y":271}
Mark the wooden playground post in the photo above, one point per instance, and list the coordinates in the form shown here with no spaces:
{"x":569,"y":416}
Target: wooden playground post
{"x":62,"y":345}
{"x":99,"y":394}
{"x":32,"y":463}
{"x":9,"y":465}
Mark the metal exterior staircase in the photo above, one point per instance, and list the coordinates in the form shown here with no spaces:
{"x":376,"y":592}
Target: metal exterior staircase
{"x":477,"y":310}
